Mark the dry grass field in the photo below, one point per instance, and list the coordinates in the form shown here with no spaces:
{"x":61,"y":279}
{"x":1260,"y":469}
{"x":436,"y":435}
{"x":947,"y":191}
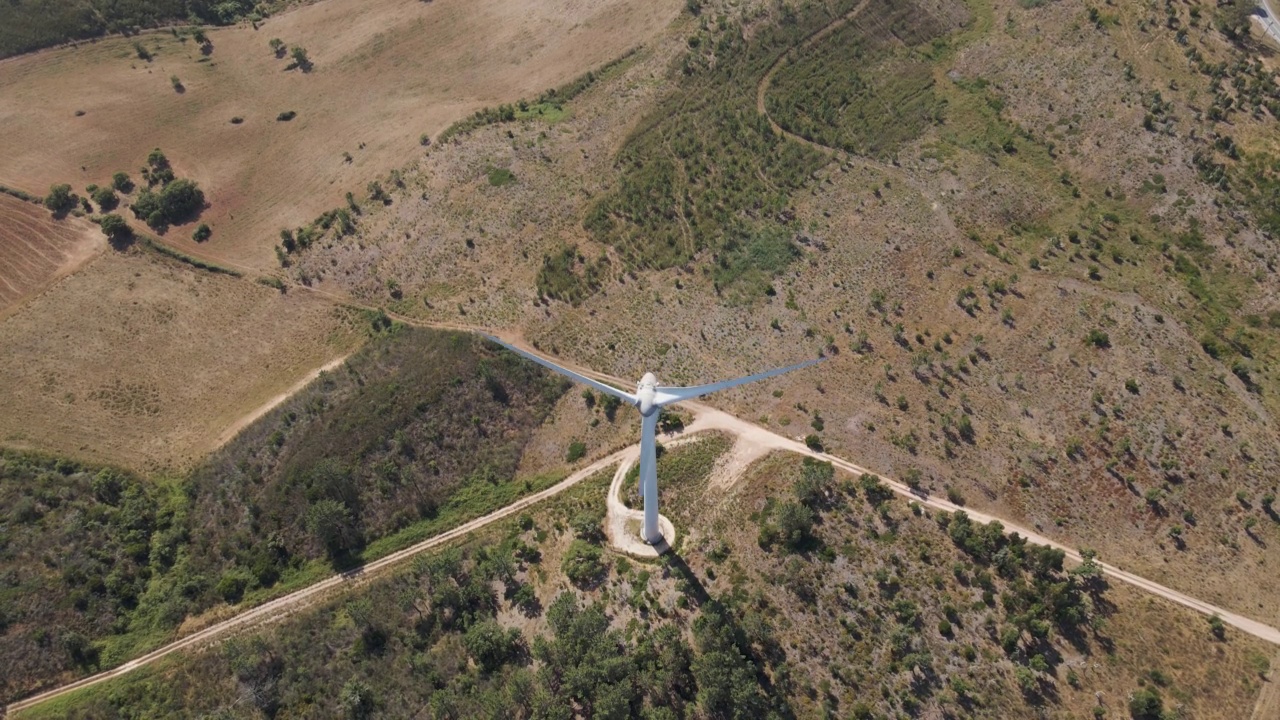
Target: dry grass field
{"x":384,"y":73}
{"x":142,"y":361}
{"x":36,"y":250}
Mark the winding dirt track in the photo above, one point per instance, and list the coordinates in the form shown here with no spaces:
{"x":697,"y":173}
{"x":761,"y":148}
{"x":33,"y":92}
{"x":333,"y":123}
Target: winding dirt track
{"x":763,"y":88}
{"x":751,"y":438}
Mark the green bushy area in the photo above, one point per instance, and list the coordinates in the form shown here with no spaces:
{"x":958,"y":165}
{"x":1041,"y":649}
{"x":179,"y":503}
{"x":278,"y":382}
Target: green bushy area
{"x":418,"y":432}
{"x":568,"y":276}
{"x":862,"y":89}
{"x":27,"y":25}
{"x":704,"y":171}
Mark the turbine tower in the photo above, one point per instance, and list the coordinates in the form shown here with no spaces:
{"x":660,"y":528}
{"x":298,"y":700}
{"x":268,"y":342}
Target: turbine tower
{"x":649,"y":399}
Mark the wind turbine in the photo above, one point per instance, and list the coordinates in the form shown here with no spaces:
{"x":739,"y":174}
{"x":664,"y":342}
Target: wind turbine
{"x":649,"y":399}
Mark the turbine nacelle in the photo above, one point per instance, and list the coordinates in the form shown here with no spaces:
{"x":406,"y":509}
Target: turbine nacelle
{"x":646,"y":393}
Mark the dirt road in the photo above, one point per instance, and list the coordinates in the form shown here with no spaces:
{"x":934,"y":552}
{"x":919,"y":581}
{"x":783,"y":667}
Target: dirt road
{"x":247,"y":419}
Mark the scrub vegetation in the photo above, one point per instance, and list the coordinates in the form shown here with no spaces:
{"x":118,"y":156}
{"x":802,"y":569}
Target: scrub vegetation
{"x":415,"y":433}
{"x":880,"y":611}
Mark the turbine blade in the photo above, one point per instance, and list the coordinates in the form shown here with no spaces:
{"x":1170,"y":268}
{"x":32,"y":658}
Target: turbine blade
{"x":607,"y":389}
{"x":667,"y":395}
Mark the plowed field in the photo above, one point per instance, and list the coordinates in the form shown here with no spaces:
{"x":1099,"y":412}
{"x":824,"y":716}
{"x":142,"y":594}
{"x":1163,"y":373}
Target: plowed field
{"x":35,"y":249}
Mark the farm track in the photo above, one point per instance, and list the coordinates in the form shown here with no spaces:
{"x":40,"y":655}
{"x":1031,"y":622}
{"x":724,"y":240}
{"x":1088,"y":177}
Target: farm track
{"x":752,"y":440}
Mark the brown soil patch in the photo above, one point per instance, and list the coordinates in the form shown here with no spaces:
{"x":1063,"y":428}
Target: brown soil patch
{"x":384,"y":73}
{"x":142,"y":361}
{"x":36,"y":250}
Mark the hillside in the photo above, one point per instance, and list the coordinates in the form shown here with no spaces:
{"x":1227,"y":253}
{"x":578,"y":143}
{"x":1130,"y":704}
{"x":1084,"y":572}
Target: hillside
{"x":884,"y":611}
{"x":1052,"y":293}
{"x":415,"y":433}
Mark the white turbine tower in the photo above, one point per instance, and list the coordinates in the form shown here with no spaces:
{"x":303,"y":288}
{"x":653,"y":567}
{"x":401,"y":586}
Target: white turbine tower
{"x":650,"y":398}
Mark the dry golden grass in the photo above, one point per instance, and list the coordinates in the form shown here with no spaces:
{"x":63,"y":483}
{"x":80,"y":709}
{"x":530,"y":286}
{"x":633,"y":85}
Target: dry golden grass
{"x":385,"y":72}
{"x":36,"y":250}
{"x":143,"y":361}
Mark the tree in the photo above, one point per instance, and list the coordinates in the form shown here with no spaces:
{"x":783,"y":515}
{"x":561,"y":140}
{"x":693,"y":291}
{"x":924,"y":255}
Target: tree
{"x":331,"y":523}
{"x":115,"y":227}
{"x":202,"y":233}
{"x":60,"y":199}
{"x":795,"y":524}
{"x":174,"y":203}
{"x":156,"y":160}
{"x":815,"y":479}
{"x":491,"y":646}
{"x":300,"y":60}
{"x":120,"y":181}
{"x":1145,"y":704}
{"x":277,"y":47}
{"x":582,"y":563}
{"x":106,"y":198}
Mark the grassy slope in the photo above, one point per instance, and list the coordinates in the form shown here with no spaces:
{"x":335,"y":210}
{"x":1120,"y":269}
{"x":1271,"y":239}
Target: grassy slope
{"x":418,"y":432}
{"x":851,"y":624}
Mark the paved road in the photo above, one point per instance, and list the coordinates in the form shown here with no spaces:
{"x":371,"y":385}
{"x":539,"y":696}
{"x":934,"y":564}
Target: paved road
{"x":1268,"y":20}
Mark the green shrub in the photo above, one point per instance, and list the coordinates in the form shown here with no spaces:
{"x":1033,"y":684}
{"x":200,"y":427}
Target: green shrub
{"x":115,"y":227}
{"x":202,"y":233}
{"x":60,"y":199}
{"x":286,"y":116}
{"x":1098,"y":339}
{"x":121,"y":182}
{"x":577,"y":451}
{"x":582,"y":563}
{"x":500,"y":176}
{"x":106,"y":198}
{"x":491,"y":645}
{"x":1145,"y":704}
